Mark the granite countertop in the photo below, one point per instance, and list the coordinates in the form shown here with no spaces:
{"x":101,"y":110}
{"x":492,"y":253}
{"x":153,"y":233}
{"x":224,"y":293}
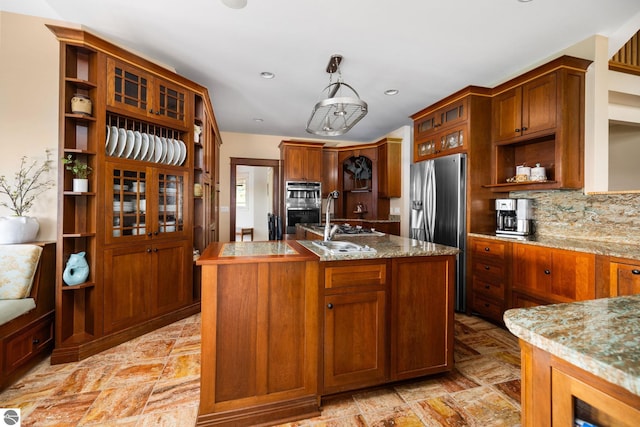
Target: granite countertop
{"x":267,"y":251}
{"x":386,"y":246}
{"x":597,"y":247}
{"x":601,"y":336}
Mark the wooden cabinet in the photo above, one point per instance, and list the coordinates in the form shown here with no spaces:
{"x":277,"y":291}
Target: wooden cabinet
{"x":624,"y":277}
{"x":389,"y":168}
{"x":355,"y":334}
{"x":329,"y":171}
{"x":359,"y":188}
{"x":552,"y":275}
{"x":259,"y":339}
{"x":538,"y":118}
{"x":489,"y":273}
{"x":556,"y":393}
{"x":136,"y":223}
{"x":301,"y":161}
{"x":525,"y":111}
{"x":441,"y":131}
{"x":135,"y":91}
{"x":421,"y":322}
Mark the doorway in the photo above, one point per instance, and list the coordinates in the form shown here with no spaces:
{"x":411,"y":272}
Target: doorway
{"x":254,"y":192}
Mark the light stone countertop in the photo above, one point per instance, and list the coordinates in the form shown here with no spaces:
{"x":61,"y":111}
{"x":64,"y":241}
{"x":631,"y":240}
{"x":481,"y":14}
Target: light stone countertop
{"x":386,"y":246}
{"x":597,"y":247}
{"x":601,"y":336}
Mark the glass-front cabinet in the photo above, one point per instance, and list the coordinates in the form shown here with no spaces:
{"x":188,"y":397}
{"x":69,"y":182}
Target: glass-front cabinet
{"x":144,"y":203}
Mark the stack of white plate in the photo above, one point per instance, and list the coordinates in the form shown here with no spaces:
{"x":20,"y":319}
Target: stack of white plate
{"x":168,"y":208}
{"x":126,"y":206}
{"x":136,"y":145}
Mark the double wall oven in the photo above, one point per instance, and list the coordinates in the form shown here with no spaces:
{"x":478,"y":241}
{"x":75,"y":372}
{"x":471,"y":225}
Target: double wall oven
{"x":303,"y":204}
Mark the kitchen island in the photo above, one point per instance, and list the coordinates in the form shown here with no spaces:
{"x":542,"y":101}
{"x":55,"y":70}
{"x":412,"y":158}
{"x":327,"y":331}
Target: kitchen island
{"x":285,"y":323}
{"x":580,"y":360}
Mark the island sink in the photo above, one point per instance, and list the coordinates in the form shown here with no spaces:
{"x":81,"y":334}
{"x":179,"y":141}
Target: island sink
{"x":342,"y":247}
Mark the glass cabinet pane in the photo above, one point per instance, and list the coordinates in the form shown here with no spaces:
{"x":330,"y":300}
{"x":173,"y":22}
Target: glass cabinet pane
{"x":129,"y":203}
{"x":171,"y":102}
{"x":170,"y":203}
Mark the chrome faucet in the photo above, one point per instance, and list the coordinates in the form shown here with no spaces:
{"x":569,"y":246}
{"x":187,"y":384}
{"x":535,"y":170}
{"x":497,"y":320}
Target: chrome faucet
{"x":329,"y":231}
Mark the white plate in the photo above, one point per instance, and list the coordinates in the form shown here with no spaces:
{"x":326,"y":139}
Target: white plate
{"x":152,"y":147}
{"x":176,"y":154}
{"x":106,"y":142}
{"x":144,"y":146}
{"x":128,"y":149}
{"x":137,"y":145}
{"x":158,"y":152}
{"x":183,"y":151}
{"x":168,"y":151}
{"x":113,"y":141}
{"x":122,"y":142}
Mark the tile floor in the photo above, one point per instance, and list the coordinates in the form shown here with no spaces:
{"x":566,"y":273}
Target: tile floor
{"x":154,"y":381}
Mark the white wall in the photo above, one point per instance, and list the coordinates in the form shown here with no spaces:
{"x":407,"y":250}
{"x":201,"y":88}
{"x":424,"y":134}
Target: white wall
{"x":29,"y":87}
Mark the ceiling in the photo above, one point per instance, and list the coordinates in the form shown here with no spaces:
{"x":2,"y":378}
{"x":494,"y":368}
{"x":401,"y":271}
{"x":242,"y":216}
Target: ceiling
{"x":423,"y":48}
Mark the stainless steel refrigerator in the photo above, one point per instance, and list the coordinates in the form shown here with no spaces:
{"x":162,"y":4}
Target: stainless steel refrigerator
{"x":438,"y":209}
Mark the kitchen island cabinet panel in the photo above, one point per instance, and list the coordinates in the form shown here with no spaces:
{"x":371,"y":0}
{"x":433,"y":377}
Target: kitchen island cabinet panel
{"x":421,"y":324}
{"x":624,"y":277}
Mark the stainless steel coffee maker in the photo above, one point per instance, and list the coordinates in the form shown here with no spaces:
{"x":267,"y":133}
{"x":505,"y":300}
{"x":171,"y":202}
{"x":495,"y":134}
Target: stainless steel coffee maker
{"x":514,"y":217}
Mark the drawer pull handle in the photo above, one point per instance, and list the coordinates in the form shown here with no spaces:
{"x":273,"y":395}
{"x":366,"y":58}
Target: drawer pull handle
{"x":329,"y":306}
{"x":487,"y":249}
{"x":486,"y":267}
{"x":486,"y":305}
{"x":547,"y":272}
{"x":635,"y":271}
{"x":487,"y":286}
{"x":36,"y":341}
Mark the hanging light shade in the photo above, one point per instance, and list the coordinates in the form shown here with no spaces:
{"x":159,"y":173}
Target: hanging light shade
{"x":337,"y":113}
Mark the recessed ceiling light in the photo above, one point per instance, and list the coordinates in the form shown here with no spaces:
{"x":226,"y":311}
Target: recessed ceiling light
{"x":235,"y":4}
{"x":267,"y":75}
{"x":258,"y":120}
{"x":524,"y":1}
{"x":391,"y":92}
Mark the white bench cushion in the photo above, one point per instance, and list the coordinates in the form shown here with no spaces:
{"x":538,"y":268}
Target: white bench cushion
{"x":12,"y":308}
{"x":18,"y":264}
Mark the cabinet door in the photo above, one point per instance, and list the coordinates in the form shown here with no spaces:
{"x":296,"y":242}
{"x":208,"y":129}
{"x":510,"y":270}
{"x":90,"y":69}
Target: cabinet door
{"x":625,"y":279}
{"x":127,"y":283}
{"x":170,"y":266}
{"x":532,"y":268}
{"x":128,"y":87}
{"x":128,"y":208}
{"x":539,"y":105}
{"x":389,"y":170}
{"x":170,"y":101}
{"x":572,"y":276}
{"x":422,"y":316}
{"x":354,"y":340}
{"x":329,"y":171}
{"x":507,"y":114}
{"x":314,"y":164}
{"x":294,"y":163}
{"x":171,"y":213}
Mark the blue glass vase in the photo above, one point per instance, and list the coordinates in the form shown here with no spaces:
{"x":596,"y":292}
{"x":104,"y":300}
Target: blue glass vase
{"x":77,"y":269}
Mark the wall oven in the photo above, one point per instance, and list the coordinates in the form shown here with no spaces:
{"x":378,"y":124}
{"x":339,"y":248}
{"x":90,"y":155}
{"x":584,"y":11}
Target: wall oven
{"x":303,"y":204}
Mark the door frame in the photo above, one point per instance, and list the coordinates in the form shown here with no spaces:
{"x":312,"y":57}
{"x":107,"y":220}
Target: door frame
{"x":244,"y":161}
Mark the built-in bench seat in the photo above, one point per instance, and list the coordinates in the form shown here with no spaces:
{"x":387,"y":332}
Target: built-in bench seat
{"x":27,"y":307}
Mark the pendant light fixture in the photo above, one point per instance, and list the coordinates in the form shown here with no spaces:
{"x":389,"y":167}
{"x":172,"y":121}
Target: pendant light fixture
{"x":235,"y":4}
{"x":336,"y":114}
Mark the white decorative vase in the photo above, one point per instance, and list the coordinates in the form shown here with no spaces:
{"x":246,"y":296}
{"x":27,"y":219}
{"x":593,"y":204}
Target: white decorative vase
{"x":18,"y":229}
{"x":80,"y":185}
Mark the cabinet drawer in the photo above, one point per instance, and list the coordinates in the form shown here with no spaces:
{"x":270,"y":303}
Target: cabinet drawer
{"x":492,"y":249}
{"x":22,"y":347}
{"x":488,"y":308}
{"x":485,"y":269}
{"x":355,"y":275}
{"x":625,"y":279}
{"x":493,"y":289}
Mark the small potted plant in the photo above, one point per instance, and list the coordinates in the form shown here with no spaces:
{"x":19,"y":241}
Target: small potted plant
{"x":29,"y":182}
{"x":80,"y":171}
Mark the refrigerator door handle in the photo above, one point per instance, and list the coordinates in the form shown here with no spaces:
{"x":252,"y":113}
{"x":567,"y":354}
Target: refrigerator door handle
{"x":429,"y":198}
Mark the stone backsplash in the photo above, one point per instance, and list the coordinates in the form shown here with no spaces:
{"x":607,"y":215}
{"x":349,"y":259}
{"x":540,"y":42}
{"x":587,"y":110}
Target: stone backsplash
{"x":606,"y":217}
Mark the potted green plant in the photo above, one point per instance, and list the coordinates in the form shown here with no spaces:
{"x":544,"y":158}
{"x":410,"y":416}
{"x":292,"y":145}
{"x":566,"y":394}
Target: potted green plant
{"x":80,"y":171}
{"x":29,"y":182}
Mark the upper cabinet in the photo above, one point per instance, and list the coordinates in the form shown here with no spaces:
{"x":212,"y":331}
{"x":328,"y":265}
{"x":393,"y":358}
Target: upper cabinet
{"x":135,"y":91}
{"x":389,"y":168}
{"x":538,"y":119}
{"x":525,"y":111}
{"x":301,"y":161}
